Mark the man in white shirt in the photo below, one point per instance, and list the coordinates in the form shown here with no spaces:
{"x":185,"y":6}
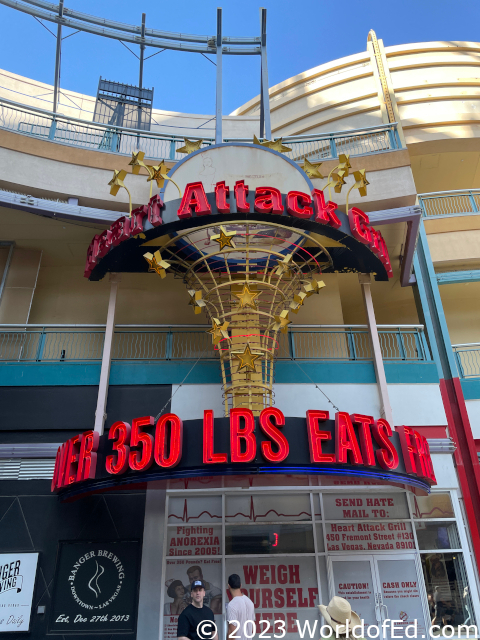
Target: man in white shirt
{"x":240,"y":611}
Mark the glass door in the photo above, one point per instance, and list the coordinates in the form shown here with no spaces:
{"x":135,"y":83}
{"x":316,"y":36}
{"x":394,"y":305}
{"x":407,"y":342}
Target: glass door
{"x":381,"y":589}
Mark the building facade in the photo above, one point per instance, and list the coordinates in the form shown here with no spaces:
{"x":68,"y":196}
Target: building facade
{"x":323,"y":275}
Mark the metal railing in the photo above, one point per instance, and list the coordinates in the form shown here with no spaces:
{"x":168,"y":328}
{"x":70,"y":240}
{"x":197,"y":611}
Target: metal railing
{"x":84,"y":343}
{"x":39,"y":123}
{"x":450,"y":203}
{"x":468,"y":359}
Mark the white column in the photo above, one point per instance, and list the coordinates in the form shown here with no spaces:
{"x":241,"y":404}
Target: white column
{"x":100,"y":414}
{"x":386,"y":409}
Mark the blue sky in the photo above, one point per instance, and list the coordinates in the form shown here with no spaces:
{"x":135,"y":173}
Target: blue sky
{"x":301,"y":35}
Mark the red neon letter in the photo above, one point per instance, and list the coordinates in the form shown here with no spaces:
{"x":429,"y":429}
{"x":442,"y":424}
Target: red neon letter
{"x":359,"y":225}
{"x":209,"y":457}
{"x":315,"y":436}
{"x":136,"y":219}
{"x":345,"y":440}
{"x":72,"y":460}
{"x":299,"y":204}
{"x":155,"y":205}
{"x":365,"y":437}
{"x":176,"y":440}
{"x":409,"y":450}
{"x":247,"y":434}
{"x":423,"y":466}
{"x":221,"y":194}
{"x":60,"y":464}
{"x":268,"y":200}
{"x":325,"y":213}
{"x":271,"y":430}
{"x":120,"y":432}
{"x":87,"y":462}
{"x":194,"y":198}
{"x":426,"y":448}
{"x":387,"y":455}
{"x":241,"y":193}
{"x":141,"y":460}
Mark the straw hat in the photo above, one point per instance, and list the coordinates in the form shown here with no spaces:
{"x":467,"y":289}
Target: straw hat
{"x":337,"y":613}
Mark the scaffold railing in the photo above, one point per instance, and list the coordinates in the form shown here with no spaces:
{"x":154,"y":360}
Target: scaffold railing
{"x":468,"y":359}
{"x":62,"y":129}
{"x":450,"y":203}
{"x":152,"y":343}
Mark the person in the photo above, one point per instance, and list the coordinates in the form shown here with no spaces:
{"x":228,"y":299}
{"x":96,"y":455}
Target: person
{"x":336,"y":614}
{"x":176,"y":591}
{"x":440,"y":608}
{"x":240,"y":611}
{"x":213,"y":595}
{"x":194,"y":614}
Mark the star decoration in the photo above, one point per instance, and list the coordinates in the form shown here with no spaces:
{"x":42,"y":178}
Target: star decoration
{"x":312,"y":170}
{"x":247,"y":359}
{"x":284,"y":265}
{"x":157,"y":173}
{"x":282,"y":322}
{"x":339,"y":181}
{"x":298,"y":300}
{"x":313,"y":286}
{"x":344,"y":165}
{"x":156,"y":264}
{"x":247,"y":297}
{"x":137,"y":161}
{"x":224,"y":238}
{"x":117,"y":181}
{"x":219,"y":331}
{"x":190,"y":146}
{"x":196,"y":300}
{"x":361,"y":182}
{"x":275,"y":145}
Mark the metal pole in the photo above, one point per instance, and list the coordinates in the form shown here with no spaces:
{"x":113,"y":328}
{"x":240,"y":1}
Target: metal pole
{"x":100,"y":413}
{"x":386,"y":408}
{"x":264,"y":76}
{"x":58,"y":56}
{"x":218,"y":110}
{"x":140,"y":78}
{"x":262,"y":110}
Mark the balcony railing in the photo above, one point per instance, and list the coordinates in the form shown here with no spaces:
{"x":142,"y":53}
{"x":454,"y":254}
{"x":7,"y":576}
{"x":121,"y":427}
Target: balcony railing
{"x":450,"y":203}
{"x":38,"y":123}
{"x":84,"y":343}
{"x":468,"y":359}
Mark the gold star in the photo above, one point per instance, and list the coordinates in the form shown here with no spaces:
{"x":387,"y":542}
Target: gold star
{"x":247,"y":297}
{"x":312,"y":170}
{"x":313,"y":286}
{"x":275,"y":145}
{"x":156,"y":264}
{"x":344,"y":165}
{"x":219,"y":331}
{"x":190,"y":146}
{"x":339,"y":181}
{"x":196,"y":300}
{"x":298,"y":300}
{"x":157,"y":173}
{"x":284,"y":265}
{"x":137,"y":161}
{"x":361,"y":182}
{"x":224,"y":238}
{"x":247,"y":359}
{"x":282,"y":322}
{"x":117,"y":181}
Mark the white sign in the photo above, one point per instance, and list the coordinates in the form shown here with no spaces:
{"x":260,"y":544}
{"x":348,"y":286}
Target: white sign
{"x":375,"y":506}
{"x":369,"y":536}
{"x":17,"y":581}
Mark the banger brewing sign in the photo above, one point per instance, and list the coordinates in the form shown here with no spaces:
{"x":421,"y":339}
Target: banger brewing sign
{"x":17,"y":581}
{"x":96,"y":587}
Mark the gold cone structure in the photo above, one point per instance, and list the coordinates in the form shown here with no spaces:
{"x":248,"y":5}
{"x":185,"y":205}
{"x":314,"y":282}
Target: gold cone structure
{"x":248,"y":277}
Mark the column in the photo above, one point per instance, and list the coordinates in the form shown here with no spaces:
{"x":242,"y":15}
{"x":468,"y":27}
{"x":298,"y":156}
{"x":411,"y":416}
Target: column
{"x":386,"y":409}
{"x":100,"y":413}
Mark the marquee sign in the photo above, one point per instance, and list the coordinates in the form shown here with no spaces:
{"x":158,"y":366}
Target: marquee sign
{"x":352,"y":445}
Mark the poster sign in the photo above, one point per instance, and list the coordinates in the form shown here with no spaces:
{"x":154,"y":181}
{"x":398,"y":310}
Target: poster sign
{"x":17,"y":581}
{"x":96,"y":587}
{"x":373,"y":506}
{"x":369,"y":536}
{"x":179,"y":575}
{"x":283,"y":591}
